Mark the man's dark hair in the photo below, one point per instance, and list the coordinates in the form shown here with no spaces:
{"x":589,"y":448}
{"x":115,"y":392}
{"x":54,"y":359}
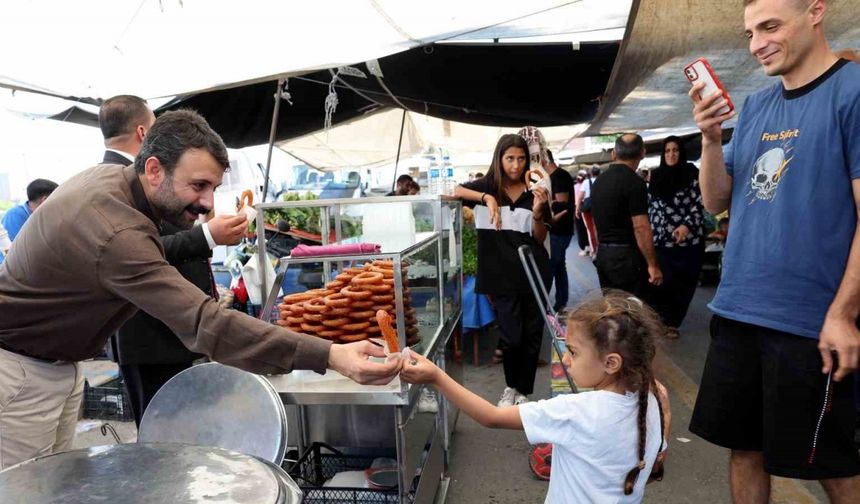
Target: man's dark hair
{"x":121,"y":114}
{"x":595,"y":171}
{"x":174,"y":133}
{"x":38,"y":188}
{"x":549,"y":156}
{"x":404,"y":178}
{"x":628,"y":147}
{"x":798,"y":4}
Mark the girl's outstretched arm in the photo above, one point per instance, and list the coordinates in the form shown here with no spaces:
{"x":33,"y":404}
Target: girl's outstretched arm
{"x":486,"y":414}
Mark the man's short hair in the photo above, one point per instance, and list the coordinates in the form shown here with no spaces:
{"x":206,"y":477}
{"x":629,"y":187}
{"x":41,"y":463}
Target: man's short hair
{"x":404,"y":178}
{"x":38,"y":188}
{"x":120,"y":115}
{"x":595,"y":170}
{"x":174,"y":133}
{"x":798,"y":4}
{"x":549,"y":156}
{"x":629,"y":149}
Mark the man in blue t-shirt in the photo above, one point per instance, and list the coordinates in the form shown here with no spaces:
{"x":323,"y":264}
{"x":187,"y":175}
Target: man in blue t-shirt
{"x":784,"y":334}
{"x":37,"y":192}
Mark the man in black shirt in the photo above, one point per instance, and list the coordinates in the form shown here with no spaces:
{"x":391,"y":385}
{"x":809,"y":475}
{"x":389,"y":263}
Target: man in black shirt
{"x":626,"y":259}
{"x":561,"y":230}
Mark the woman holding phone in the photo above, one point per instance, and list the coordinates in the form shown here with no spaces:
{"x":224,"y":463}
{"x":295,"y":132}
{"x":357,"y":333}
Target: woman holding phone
{"x":507,"y":216}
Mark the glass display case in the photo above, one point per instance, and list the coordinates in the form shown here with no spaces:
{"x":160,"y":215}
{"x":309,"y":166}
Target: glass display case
{"x":420,"y":234}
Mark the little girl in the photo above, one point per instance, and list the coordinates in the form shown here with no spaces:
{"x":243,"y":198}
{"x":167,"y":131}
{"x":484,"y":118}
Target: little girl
{"x":602,"y":440}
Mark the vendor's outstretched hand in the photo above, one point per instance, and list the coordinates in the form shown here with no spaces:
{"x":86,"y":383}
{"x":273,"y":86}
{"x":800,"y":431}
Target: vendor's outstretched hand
{"x":419,"y":369}
{"x":351,"y":360}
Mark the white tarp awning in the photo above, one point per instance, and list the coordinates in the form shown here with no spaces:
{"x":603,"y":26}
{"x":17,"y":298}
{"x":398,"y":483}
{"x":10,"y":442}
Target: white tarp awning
{"x":156,"y":48}
{"x":372,"y":140}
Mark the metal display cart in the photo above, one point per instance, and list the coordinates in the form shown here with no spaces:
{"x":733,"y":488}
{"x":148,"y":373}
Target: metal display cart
{"x":339,"y":422}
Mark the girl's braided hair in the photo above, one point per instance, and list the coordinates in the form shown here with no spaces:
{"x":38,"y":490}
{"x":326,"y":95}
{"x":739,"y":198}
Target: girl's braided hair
{"x":619,"y":323}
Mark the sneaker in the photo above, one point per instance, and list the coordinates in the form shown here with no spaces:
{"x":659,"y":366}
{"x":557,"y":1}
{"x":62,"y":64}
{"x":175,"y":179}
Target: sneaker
{"x":520,"y":399}
{"x":507,"y":398}
{"x":427,"y":402}
{"x":583,"y":253}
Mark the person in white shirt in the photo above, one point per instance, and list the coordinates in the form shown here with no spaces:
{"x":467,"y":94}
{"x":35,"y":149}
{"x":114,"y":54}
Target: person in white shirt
{"x":603,"y":439}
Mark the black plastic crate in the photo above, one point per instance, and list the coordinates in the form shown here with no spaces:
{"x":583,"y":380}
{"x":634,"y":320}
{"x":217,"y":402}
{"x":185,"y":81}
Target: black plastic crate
{"x":107,"y":402}
{"x":321,"y":462}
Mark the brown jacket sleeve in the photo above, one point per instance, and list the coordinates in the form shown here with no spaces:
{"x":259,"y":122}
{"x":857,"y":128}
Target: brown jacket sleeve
{"x":131,"y":265}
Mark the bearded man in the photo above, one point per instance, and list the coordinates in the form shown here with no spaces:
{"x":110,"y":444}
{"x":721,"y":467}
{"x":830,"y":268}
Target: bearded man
{"x":93,"y":256}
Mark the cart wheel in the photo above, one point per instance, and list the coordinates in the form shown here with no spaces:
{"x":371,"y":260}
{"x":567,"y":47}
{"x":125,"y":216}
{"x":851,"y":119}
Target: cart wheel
{"x":540,"y":460}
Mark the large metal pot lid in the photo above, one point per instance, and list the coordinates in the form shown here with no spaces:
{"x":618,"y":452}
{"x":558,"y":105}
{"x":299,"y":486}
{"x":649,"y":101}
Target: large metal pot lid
{"x":216,"y":405}
{"x":147,"y":474}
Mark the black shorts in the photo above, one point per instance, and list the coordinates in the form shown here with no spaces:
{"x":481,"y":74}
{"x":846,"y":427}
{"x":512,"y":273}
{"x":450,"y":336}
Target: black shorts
{"x":763,"y":390}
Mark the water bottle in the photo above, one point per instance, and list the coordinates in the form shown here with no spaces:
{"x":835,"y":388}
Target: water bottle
{"x":447,"y":175}
{"x":435,"y":177}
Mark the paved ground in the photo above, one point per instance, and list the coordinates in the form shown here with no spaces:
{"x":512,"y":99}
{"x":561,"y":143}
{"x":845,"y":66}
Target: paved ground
{"x":491,"y":466}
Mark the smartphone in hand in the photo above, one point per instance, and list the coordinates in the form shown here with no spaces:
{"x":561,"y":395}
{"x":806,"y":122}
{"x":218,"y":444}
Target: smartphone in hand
{"x":700,"y":71}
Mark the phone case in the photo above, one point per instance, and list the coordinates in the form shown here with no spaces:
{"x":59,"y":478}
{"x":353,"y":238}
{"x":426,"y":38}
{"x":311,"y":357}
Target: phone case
{"x":700,"y":71}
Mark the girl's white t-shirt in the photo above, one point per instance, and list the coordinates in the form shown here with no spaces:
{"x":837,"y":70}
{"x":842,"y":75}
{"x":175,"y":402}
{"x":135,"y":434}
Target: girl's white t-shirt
{"x":595,"y":444}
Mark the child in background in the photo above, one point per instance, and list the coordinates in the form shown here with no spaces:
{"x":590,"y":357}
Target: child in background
{"x":721,"y":234}
{"x":602,"y":440}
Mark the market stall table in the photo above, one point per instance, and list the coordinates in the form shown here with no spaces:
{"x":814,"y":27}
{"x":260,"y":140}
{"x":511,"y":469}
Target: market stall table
{"x":343,"y":427}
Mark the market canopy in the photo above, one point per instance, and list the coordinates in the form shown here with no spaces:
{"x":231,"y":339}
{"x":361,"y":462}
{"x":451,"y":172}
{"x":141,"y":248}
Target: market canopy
{"x":374,"y":140}
{"x":648,"y":90}
{"x":155,"y":48}
{"x":487,"y":84}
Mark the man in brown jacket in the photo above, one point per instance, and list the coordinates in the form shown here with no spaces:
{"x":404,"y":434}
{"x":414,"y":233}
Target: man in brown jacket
{"x":91,"y":257}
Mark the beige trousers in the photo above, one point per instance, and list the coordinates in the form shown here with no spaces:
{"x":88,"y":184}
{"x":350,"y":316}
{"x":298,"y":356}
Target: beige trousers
{"x":39,"y":405}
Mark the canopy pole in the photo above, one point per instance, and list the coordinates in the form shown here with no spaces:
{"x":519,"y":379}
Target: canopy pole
{"x":262,"y":256}
{"x":272,"y":138}
{"x":397,"y":160}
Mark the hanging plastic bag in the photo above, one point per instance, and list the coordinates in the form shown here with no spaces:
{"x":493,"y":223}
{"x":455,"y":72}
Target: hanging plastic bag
{"x":253,"y":278}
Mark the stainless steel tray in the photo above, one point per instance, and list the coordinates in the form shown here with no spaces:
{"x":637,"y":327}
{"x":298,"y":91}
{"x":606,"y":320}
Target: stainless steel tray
{"x":139,"y":473}
{"x":216,"y":405}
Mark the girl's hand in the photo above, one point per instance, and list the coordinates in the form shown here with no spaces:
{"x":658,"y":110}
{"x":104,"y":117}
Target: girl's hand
{"x":495,"y":211}
{"x":418,"y":369}
{"x":541,"y":198}
{"x":663,"y":395}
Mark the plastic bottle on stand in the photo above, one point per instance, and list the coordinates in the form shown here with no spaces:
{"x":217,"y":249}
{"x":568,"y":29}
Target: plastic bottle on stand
{"x":435,"y":177}
{"x":447,"y":175}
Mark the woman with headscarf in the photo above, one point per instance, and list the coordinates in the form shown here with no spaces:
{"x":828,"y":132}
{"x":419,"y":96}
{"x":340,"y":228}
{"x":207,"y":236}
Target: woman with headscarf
{"x":677,"y":218}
